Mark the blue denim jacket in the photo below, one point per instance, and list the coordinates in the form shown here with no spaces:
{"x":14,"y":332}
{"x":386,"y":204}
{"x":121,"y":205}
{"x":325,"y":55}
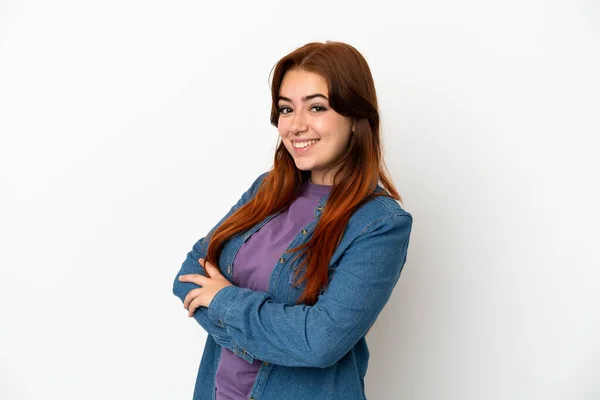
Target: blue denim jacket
{"x":314,"y":352}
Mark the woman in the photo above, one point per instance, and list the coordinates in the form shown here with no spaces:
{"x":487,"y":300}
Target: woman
{"x":288,"y":283}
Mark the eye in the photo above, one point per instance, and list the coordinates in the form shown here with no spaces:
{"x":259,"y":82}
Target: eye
{"x":284,"y":110}
{"x":318,"y":108}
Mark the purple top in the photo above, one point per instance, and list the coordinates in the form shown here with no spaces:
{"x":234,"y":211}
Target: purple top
{"x":253,"y":265}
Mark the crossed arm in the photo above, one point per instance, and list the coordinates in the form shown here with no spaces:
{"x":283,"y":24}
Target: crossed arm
{"x":318,"y":335}
{"x":191,"y":265}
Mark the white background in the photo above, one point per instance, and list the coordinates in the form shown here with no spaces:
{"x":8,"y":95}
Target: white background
{"x":128,"y":129}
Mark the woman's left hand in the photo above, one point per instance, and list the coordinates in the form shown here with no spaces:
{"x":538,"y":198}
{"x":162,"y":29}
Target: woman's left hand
{"x":210,"y":285}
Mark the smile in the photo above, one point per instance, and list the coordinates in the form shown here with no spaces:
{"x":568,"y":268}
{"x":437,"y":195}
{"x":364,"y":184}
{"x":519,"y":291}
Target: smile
{"x":303,"y":145}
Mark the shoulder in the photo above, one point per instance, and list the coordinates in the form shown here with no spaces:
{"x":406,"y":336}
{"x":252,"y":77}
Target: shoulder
{"x":380,"y":210}
{"x":256,"y":184}
{"x":380,"y":223}
{"x":258,"y":180}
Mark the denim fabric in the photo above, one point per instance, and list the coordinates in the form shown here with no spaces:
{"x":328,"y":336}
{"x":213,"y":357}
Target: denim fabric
{"x":314,"y":352}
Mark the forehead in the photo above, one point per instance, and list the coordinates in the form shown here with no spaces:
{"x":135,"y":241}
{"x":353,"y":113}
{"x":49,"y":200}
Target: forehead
{"x":298,"y":83}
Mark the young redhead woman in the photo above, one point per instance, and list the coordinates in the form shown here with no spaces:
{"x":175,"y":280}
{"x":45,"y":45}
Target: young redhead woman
{"x":289,"y":282}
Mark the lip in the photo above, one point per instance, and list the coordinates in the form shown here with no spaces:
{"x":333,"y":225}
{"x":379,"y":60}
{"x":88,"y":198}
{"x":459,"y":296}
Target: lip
{"x":303,"y":140}
{"x":305,"y":149}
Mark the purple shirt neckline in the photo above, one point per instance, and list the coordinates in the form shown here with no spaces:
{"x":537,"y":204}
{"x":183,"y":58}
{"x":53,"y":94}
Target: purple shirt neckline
{"x":315,"y":188}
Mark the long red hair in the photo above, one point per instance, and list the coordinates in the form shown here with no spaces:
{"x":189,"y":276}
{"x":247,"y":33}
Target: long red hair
{"x":361,"y":167}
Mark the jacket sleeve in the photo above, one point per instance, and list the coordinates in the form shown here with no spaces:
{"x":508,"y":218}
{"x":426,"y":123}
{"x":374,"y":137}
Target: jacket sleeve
{"x":192,"y":266}
{"x":319,"y":335}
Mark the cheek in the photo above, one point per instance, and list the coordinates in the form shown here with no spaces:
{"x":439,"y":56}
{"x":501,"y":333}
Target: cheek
{"x":323,"y":126}
{"x":282,"y":128}
{"x":331,"y":125}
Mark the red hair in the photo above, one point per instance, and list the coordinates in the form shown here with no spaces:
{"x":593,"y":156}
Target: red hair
{"x":361,"y":167}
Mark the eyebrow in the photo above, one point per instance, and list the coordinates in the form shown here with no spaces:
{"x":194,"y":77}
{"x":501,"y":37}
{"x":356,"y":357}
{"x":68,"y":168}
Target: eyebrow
{"x":305,"y":98}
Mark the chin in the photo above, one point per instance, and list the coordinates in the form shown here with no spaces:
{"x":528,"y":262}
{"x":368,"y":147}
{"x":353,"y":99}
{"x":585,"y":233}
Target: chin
{"x":303,"y":166}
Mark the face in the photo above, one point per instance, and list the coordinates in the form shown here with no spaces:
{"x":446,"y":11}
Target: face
{"x":313,"y":133}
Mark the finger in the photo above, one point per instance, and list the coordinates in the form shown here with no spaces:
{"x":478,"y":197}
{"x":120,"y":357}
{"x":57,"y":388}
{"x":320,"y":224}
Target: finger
{"x":193,"y":278}
{"x":193,"y":306}
{"x":206,"y":265}
{"x":190,"y":296}
{"x":212,"y":270}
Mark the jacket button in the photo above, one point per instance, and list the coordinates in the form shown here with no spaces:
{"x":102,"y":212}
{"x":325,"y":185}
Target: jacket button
{"x":320,"y":208}
{"x":265,"y":363}
{"x":304,"y":232}
{"x":281,"y":260}
{"x":229,"y":269}
{"x":244,"y":352}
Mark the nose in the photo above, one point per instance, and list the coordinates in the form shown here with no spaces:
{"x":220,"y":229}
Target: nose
{"x":298,"y":122}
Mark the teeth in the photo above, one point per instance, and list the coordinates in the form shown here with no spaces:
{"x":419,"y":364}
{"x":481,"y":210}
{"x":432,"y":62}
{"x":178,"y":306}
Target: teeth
{"x":301,"y":145}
